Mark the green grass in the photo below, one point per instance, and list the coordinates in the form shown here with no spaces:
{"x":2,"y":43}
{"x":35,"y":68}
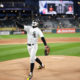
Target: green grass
{"x":12,"y":36}
{"x":62,"y":35}
{"x":9,"y":52}
{"x":46,"y":35}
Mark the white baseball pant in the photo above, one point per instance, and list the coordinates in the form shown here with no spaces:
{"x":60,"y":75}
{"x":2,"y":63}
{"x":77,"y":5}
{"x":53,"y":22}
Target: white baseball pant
{"x":32,"y":52}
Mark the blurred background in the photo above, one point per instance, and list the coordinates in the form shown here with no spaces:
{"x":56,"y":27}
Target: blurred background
{"x":54,"y":16}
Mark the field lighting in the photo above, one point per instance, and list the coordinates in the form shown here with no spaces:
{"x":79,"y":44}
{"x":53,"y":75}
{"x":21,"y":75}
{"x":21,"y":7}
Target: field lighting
{"x":79,"y":2}
{"x":1,"y":5}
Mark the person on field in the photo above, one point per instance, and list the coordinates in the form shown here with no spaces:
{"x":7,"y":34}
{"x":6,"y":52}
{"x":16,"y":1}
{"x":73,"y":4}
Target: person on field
{"x":33,"y":32}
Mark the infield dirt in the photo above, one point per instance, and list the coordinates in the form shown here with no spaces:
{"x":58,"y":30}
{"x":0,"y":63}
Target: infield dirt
{"x":56,"y":67}
{"x":49,"y":40}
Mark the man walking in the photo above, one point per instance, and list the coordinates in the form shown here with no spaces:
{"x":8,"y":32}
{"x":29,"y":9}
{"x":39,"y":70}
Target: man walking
{"x":33,"y":32}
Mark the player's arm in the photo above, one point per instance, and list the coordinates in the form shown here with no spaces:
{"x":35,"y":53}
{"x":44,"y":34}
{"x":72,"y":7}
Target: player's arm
{"x":44,"y":41}
{"x":20,"y":25}
{"x":47,"y":48}
{"x":42,"y":38}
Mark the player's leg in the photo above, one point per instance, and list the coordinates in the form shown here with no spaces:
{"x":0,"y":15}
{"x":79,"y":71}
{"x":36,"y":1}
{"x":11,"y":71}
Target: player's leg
{"x":32,"y":51}
{"x":31,"y":64}
{"x":40,"y":63}
{"x":38,"y":60}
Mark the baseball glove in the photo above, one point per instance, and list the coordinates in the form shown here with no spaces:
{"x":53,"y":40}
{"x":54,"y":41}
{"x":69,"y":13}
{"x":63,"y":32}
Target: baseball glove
{"x":47,"y":50}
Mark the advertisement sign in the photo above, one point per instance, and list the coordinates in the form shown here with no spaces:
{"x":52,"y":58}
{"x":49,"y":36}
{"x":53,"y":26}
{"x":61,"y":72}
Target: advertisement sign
{"x":18,"y":32}
{"x":4,"y":32}
{"x":66,"y":30}
{"x":7,"y":29}
{"x":47,"y":31}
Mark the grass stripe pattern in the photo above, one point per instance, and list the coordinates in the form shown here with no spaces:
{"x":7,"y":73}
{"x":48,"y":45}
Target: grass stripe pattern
{"x":9,"y":52}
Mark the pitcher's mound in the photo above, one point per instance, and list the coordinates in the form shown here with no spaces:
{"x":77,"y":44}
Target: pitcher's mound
{"x":56,"y":68}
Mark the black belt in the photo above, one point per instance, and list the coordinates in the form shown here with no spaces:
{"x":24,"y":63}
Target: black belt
{"x":30,"y":44}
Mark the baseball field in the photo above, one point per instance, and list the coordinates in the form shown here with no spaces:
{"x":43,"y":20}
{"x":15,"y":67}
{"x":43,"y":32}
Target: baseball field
{"x":63,"y":62}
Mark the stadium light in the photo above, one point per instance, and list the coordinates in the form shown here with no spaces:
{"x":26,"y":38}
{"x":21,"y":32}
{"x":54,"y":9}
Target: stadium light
{"x":79,"y":2}
{"x":11,"y":10}
{"x":4,"y":11}
{"x":1,"y":5}
{"x":15,"y":10}
{"x":23,"y":10}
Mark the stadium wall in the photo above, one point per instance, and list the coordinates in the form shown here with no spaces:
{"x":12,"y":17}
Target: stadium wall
{"x":58,"y":31}
{"x":77,"y":30}
{"x":62,"y":30}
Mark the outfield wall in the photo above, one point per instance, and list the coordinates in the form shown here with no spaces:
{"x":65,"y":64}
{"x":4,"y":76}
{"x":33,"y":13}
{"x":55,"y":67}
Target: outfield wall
{"x":62,"y":30}
{"x":58,"y":31}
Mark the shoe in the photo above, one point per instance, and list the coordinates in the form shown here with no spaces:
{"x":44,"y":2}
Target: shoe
{"x":40,"y":67}
{"x":29,"y":77}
